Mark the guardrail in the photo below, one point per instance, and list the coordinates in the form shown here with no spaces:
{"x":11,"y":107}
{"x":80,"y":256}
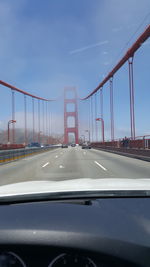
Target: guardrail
{"x":16,"y":154}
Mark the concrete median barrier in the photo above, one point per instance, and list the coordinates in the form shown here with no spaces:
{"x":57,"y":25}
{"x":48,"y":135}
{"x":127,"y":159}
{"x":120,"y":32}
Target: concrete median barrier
{"x":16,"y":154}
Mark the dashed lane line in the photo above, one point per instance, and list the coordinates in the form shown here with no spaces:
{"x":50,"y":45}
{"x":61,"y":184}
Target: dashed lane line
{"x":101,"y":166}
{"x":61,"y":167}
{"x":45,"y":164}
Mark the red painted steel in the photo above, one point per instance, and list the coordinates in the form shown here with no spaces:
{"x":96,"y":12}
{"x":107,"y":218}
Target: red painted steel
{"x":89,"y":119}
{"x":43,"y":139}
{"x":33,"y":120}
{"x":49,"y":120}
{"x":92,"y":117}
{"x":23,"y":92}
{"x":13,"y":89}
{"x":11,"y":146}
{"x":140,"y":142}
{"x":96,"y":136}
{"x":39,"y":122}
{"x":101,"y":102}
{"x":74,"y":114}
{"x":25,"y":120}
{"x":131,"y":88}
{"x":46,"y":117}
{"x":111,"y":109}
{"x":132,"y":145}
{"x":130,"y":52}
{"x":13,"y":116}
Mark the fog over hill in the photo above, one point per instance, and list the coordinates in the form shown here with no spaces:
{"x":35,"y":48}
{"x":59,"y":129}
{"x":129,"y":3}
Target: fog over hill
{"x":20,"y":137}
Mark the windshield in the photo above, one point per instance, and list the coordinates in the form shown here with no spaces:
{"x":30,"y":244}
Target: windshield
{"x":74,"y":105}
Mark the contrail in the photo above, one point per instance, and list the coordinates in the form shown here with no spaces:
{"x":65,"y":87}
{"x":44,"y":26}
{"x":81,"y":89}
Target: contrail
{"x":79,"y":50}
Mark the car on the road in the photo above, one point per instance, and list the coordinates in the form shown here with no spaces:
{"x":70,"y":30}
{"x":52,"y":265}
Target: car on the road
{"x":86,"y":146}
{"x":73,"y":145}
{"x":34,"y":144}
{"x":64,"y":146}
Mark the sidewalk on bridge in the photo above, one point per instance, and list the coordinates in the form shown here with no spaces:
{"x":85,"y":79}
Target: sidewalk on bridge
{"x":143,"y":154}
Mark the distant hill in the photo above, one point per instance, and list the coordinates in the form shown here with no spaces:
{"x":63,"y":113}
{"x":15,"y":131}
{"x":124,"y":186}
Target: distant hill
{"x":20,"y":137}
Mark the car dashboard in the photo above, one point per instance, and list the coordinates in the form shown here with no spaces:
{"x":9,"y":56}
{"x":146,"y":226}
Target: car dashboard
{"x":98,"y":232}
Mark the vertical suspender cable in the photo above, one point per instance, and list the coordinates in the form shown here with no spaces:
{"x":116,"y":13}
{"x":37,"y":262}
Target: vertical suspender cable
{"x":33,"y":120}
{"x":101,"y":110}
{"x":111,"y":109}
{"x":133,"y":99}
{"x":13,"y":117}
{"x":95,"y":117}
{"x":43,"y":124}
{"x":92,"y":116}
{"x":131,"y":88}
{"x":46,"y":124}
{"x":25,"y":120}
{"x":39,"y":122}
{"x":49,"y":125}
{"x":89,"y":107}
{"x":101,"y":102}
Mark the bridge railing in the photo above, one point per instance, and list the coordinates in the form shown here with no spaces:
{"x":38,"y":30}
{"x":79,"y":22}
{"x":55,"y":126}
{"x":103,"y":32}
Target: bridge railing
{"x":140,"y":142}
{"x":11,"y":146}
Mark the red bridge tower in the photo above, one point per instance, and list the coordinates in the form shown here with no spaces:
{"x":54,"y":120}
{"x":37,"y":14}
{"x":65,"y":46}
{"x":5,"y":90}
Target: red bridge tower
{"x":73,"y":114}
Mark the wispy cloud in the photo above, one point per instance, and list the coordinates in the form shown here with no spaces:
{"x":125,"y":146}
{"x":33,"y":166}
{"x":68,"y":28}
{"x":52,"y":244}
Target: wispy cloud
{"x":79,"y":50}
{"x":106,"y":63}
{"x":105,"y":53}
{"x":117,"y":29}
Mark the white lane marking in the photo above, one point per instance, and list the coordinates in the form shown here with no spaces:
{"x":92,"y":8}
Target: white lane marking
{"x":61,"y":167}
{"x":45,"y":164}
{"x":100,"y":165}
{"x":56,"y":156}
{"x":61,"y":152}
{"x":84,"y":153}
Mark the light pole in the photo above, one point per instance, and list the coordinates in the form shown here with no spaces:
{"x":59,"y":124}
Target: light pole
{"x":83,"y":137}
{"x":102,"y":121}
{"x":88,"y":131}
{"x":9,"y":122}
{"x":39,"y":137}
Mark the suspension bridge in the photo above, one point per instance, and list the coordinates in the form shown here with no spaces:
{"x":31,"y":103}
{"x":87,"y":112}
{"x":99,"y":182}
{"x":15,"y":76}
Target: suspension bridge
{"x":41,"y":125}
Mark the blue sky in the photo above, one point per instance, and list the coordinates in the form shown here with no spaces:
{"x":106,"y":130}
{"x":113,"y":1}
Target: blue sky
{"x":47,"y":45}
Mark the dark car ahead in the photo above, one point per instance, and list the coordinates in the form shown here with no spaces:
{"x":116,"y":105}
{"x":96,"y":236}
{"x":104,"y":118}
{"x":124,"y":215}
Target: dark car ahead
{"x":86,"y":146}
{"x":73,"y":145}
{"x":34,"y":144}
{"x":64,"y":146}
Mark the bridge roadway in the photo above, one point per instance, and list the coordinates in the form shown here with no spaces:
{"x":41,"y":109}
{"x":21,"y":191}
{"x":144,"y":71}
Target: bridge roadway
{"x":73,"y":163}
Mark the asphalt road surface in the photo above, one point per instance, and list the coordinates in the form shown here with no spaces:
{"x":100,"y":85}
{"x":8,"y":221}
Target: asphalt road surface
{"x":73,"y":163}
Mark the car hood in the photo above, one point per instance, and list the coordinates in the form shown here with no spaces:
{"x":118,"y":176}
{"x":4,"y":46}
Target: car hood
{"x":75,"y":185}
